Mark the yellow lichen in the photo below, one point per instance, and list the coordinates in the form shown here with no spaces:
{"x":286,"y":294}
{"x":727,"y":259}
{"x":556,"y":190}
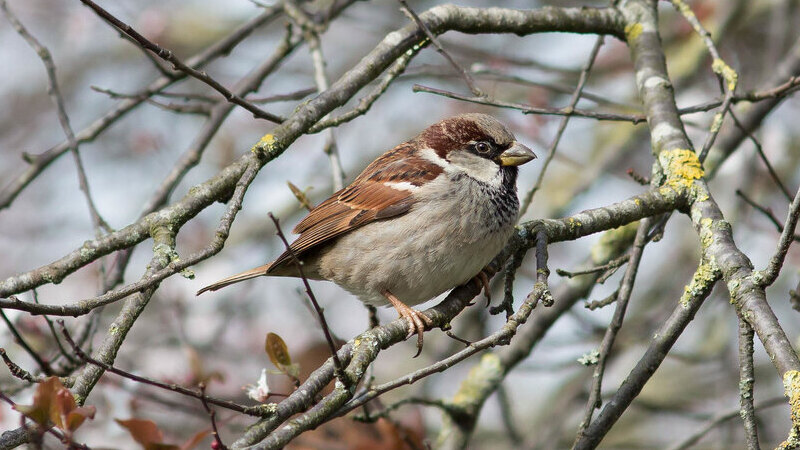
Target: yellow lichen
{"x":265,"y":143}
{"x":791,"y":386}
{"x":681,"y":166}
{"x":706,"y":233}
{"x":722,"y":69}
{"x":632,"y":31}
{"x":684,"y":9}
{"x":705,"y":275}
{"x":716,"y":123}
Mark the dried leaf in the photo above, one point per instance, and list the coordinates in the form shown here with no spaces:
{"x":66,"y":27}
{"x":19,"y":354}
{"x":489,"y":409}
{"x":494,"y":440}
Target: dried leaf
{"x":61,"y":404}
{"x":54,"y":404}
{"x":39,"y":411}
{"x":77,"y":416}
{"x":300,"y":196}
{"x":277,"y":351}
{"x":143,"y":431}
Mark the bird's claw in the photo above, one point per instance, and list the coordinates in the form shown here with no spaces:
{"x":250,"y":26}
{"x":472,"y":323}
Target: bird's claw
{"x":417,"y":322}
{"x":482,"y":280}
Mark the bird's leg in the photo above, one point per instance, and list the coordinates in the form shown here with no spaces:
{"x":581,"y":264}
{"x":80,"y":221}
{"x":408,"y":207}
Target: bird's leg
{"x":482,"y":280}
{"x":417,"y":322}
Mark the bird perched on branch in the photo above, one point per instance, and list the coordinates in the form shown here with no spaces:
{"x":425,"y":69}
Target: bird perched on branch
{"x":424,"y":217}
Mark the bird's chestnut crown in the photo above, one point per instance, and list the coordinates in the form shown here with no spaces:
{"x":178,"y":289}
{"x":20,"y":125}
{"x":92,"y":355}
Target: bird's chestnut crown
{"x":479,"y":134}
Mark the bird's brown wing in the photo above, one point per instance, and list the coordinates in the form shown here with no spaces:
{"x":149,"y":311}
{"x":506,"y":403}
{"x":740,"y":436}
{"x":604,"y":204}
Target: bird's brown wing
{"x":367,"y":199}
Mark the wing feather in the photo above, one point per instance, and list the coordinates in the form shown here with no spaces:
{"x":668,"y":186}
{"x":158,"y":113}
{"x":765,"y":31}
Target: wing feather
{"x":370,"y":197}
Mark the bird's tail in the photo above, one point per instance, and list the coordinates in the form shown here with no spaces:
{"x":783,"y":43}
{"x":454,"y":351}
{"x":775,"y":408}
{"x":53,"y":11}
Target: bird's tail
{"x":252,"y":273}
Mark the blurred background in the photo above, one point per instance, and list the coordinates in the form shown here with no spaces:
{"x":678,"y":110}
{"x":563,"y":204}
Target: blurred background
{"x":220,"y":336}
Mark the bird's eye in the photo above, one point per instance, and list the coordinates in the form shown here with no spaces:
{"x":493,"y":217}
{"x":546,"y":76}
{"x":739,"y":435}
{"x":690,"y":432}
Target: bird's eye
{"x":483,"y":147}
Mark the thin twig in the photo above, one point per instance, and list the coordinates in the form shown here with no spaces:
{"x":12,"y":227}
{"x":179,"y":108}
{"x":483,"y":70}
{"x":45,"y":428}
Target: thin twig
{"x":625,"y":289}
{"x":180,"y":108}
{"x":43,"y":365}
{"x":55,"y":94}
{"x":527,"y":109}
{"x":721,"y":419}
{"x":763,"y":156}
{"x":500,"y":337}
{"x":766,"y":211}
{"x":509,"y":274}
{"x":337,"y":364}
{"x":53,"y":331}
{"x":167,"y":55}
{"x":696,"y":292}
{"x":562,"y":126}
{"x":542,"y":271}
{"x":38,"y":163}
{"x":15,"y":369}
{"x":311,"y":36}
{"x":562,"y":88}
{"x":464,"y":74}
{"x":212,"y":417}
{"x":613,"y":264}
{"x":768,"y":275}
{"x":52,"y":430}
{"x":746,"y":380}
{"x":728,"y":78}
{"x":186,"y":96}
{"x":637,"y":177}
{"x":249,"y":410}
{"x":296,"y":95}
{"x":217,"y":115}
{"x":366,"y":102}
{"x":597,"y":304}
{"x":384,"y":413}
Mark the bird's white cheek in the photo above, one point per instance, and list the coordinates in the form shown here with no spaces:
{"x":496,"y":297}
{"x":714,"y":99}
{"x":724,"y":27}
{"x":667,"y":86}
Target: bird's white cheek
{"x":475,"y":167}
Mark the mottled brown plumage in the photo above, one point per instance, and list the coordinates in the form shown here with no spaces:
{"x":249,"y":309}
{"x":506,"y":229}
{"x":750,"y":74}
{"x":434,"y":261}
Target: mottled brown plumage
{"x":422,"y":218}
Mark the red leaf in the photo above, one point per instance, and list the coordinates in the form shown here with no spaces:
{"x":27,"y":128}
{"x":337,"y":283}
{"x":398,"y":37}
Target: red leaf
{"x":78,"y":415}
{"x":54,"y":404}
{"x":61,"y":404}
{"x":143,"y":431}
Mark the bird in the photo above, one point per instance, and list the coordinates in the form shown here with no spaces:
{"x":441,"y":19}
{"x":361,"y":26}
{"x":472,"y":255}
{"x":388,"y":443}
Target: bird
{"x":424,"y":217}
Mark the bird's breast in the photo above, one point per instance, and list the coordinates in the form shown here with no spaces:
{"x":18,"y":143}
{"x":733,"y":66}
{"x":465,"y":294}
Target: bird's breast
{"x":452,"y":232}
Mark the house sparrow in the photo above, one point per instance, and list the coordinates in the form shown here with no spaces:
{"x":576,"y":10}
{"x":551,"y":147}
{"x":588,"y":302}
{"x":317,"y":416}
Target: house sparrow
{"x":424,"y":217}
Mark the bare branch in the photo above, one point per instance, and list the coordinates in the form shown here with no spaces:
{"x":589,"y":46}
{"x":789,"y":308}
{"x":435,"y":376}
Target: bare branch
{"x":746,"y":380}
{"x":167,"y":55}
{"x":695,"y":293}
{"x":624,"y":294}
{"x":464,"y":74}
{"x":562,"y":126}
{"x":337,"y":364}
{"x":37,"y":163}
{"x":527,"y":109}
{"x":198,"y":394}
{"x":770,"y":274}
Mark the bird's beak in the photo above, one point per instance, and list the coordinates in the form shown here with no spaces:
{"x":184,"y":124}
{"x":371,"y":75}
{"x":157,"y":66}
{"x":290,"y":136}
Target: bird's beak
{"x":516,"y":155}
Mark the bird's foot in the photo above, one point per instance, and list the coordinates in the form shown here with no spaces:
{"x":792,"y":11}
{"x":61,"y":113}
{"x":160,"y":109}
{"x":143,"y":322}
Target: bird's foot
{"x":482,"y":280}
{"x":417,"y":322}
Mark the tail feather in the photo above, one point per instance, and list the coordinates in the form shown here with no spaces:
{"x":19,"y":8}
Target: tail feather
{"x":252,"y":273}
